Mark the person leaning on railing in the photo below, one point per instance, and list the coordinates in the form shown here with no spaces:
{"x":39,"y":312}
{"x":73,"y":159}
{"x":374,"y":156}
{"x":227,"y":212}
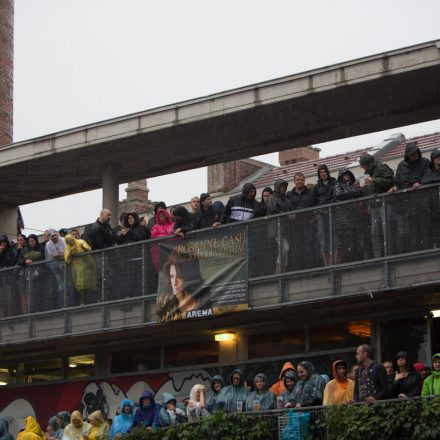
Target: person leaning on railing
{"x":8,"y":258}
{"x":431,"y":385}
{"x":340,"y":389}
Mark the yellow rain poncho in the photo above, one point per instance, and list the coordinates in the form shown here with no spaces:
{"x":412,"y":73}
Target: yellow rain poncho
{"x":83,"y":267}
{"x":100,"y":428}
{"x":32,"y":431}
{"x":72,"y":432}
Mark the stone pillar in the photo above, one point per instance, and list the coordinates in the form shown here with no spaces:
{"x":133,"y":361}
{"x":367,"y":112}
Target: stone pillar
{"x":6,"y":70}
{"x":110,"y":193}
{"x":8,"y":221}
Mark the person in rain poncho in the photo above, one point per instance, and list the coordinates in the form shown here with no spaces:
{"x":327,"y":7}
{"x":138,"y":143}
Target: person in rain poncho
{"x":83,"y":268}
{"x":147,"y":415}
{"x":99,"y":430}
{"x":261,"y":399}
{"x":340,"y":389}
{"x":290,"y":379}
{"x":63,"y":419}
{"x":32,"y":430}
{"x":231,"y":394}
{"x":431,"y":385}
{"x":171,"y":412}
{"x":123,"y":421}
{"x":76,"y":428}
{"x":309,"y":390}
{"x":196,"y":404}
{"x":4,"y":430}
{"x":217,"y":383}
{"x":279,"y":387}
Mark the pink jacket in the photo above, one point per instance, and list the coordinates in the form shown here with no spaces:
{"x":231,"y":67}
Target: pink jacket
{"x":165,"y":229}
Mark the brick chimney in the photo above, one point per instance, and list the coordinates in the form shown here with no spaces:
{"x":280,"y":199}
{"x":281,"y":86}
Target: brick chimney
{"x":137,"y":198}
{"x":6,"y":70}
{"x":299,"y":154}
{"x":223,"y":177}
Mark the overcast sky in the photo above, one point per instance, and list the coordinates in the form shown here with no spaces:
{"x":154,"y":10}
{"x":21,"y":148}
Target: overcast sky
{"x":82,"y":61}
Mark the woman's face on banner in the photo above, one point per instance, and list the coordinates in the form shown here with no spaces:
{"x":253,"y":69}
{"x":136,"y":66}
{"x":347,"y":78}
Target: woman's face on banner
{"x":176,"y":281}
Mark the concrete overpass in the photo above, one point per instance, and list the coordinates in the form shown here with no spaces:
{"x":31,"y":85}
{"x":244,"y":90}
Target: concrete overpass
{"x":374,"y":93}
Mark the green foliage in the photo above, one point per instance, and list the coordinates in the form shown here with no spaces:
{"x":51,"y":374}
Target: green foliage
{"x":219,"y":426}
{"x":406,"y":420}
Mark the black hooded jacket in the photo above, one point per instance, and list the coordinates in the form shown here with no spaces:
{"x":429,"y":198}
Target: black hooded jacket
{"x":346,"y":190}
{"x":432,"y":175}
{"x":301,"y":200}
{"x":8,"y":256}
{"x":183,"y":219}
{"x":409,"y":173}
{"x":136,"y":232}
{"x":240,"y":208}
{"x":323,"y":193}
{"x":279,"y":202}
{"x":410,"y":386}
{"x":205,"y":218}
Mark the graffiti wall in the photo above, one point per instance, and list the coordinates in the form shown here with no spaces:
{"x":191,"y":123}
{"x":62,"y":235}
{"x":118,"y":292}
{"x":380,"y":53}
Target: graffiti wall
{"x":45,"y":400}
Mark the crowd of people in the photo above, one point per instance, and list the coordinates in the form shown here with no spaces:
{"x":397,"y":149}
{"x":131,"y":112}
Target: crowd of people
{"x":299,"y":387}
{"x":270,"y":249}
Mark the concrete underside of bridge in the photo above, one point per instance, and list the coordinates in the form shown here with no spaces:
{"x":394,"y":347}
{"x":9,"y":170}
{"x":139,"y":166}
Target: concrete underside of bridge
{"x":366,"y":95}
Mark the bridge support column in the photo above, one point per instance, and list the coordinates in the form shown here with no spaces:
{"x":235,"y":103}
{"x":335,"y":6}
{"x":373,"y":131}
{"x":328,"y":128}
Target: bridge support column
{"x":8,"y":221}
{"x":110,"y":193}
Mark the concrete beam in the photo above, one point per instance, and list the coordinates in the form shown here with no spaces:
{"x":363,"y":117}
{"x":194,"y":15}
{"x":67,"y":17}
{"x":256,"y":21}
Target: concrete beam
{"x":110,"y":192}
{"x":374,"y":93}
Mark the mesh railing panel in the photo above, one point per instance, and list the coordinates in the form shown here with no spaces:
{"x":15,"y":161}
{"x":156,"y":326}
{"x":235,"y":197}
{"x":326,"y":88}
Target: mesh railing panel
{"x":297,"y":242}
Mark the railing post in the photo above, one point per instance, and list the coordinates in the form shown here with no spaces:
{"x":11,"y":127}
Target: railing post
{"x":65,"y":286}
{"x":27,"y":277}
{"x":330,"y":225}
{"x":143,"y":270}
{"x":280,"y":246}
{"x":102,"y":277}
{"x":385,"y":227}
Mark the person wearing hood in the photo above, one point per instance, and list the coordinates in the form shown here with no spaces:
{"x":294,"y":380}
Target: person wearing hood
{"x":76,"y":428}
{"x":63,"y":419}
{"x":152,"y":220}
{"x":183,"y":221}
{"x":340,"y":389}
{"x":32,"y":430}
{"x":231,"y":394}
{"x":431,"y":385}
{"x":290,"y":380}
{"x":83,"y":268}
{"x":4,"y":430}
{"x":302,"y":226}
{"x":217,"y":383}
{"x":196,"y":404}
{"x":406,"y":380}
{"x":52,"y":428}
{"x":379,"y":178}
{"x":310,"y":388}
{"x":262,"y":399}
{"x":345,"y":215}
{"x":171,"y":413}
{"x":279,"y":387}
{"x":132,"y":230}
{"x":206,"y":216}
{"x":163,"y":227}
{"x":278,"y":201}
{"x":147,"y":415}
{"x":411,"y":212}
{"x":123,"y":421}
{"x":99,"y":429}
{"x":8,"y":258}
{"x":323,"y":195}
{"x":241,"y":207}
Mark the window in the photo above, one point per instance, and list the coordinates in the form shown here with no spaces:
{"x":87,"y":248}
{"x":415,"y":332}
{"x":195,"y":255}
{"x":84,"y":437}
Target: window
{"x":81,"y":366}
{"x":276,"y":344}
{"x":203,"y":352}
{"x":340,"y":335}
{"x":410,"y":335}
{"x":131,"y":361}
{"x":43,"y":370}
{"x":8,"y":373}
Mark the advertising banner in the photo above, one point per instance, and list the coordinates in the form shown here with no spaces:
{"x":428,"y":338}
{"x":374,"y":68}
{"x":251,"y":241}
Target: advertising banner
{"x":203,"y":274}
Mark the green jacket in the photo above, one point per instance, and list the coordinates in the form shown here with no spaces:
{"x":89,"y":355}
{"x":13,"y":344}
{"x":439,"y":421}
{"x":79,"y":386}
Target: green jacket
{"x":431,"y":385}
{"x":382,"y":179}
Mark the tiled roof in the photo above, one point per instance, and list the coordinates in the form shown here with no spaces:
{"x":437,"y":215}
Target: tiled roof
{"x":309,"y":167}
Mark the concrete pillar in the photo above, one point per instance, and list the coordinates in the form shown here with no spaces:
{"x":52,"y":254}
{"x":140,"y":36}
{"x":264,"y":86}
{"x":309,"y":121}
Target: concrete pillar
{"x":233,"y":351}
{"x":8,"y":221}
{"x":110,"y":193}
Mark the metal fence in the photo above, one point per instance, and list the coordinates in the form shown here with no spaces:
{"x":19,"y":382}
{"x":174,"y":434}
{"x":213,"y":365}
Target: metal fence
{"x":353,"y":231}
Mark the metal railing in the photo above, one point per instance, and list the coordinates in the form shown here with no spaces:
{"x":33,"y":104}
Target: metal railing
{"x":347,"y":234}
